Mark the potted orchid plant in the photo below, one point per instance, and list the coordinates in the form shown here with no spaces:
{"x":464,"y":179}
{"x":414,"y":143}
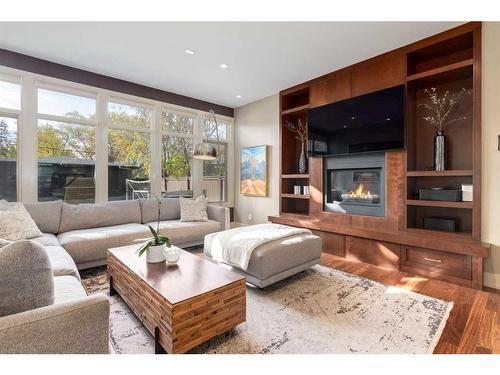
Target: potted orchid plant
{"x":155,"y":246}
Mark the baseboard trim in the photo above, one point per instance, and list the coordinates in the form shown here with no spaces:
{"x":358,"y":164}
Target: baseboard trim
{"x":492,"y":280}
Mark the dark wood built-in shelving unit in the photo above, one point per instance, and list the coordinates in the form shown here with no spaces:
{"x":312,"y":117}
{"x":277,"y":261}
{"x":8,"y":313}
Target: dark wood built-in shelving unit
{"x":294,"y":105}
{"x":448,"y":61}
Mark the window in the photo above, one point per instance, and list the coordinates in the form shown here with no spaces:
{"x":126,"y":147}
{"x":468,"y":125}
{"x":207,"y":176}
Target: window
{"x":177,"y":153}
{"x":129,"y":114}
{"x":66,"y":162}
{"x":214,"y":182}
{"x":172,"y":122}
{"x":129,"y":165}
{"x":139,"y":146}
{"x":215,"y":171}
{"x":210,"y":130}
{"x":10,"y":95}
{"x":66,"y":147}
{"x":8,"y":158}
{"x":65,"y":105}
{"x":177,"y":164}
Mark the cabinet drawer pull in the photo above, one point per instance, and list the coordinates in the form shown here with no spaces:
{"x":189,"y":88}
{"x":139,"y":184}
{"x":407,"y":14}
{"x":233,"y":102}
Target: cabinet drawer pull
{"x":433,"y":260}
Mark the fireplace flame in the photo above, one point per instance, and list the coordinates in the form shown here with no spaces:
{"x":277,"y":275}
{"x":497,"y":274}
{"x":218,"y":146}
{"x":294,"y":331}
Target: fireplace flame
{"x":360,"y":193}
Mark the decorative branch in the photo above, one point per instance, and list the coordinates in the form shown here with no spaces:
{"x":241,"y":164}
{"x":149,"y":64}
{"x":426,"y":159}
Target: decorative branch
{"x":442,"y":107}
{"x":300,"y":130}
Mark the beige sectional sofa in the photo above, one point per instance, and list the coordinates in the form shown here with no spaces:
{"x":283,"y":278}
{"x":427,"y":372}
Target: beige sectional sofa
{"x":41,"y":312}
{"x":77,"y":237}
{"x":86,"y":231}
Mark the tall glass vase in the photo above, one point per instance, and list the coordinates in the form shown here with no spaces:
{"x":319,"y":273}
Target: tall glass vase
{"x":439,"y":151}
{"x":302,"y":161}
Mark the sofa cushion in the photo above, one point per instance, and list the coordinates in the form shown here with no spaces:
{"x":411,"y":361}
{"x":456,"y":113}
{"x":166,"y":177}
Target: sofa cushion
{"x":88,"y":245}
{"x":89,"y":215}
{"x":25,"y":277}
{"x":67,"y":288}
{"x":181,"y":233}
{"x":46,"y":239}
{"x":169,"y":209}
{"x":62,"y":263}
{"x":47,"y":215}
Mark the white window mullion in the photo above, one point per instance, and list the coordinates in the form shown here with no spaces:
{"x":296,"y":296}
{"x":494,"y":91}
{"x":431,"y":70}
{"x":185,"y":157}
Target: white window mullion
{"x":101,"y":150}
{"x":156,"y":152}
{"x":197,"y":164}
{"x":28,"y":142}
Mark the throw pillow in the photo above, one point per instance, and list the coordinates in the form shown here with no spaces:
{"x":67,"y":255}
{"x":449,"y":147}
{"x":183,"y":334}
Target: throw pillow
{"x":194,"y":209}
{"x":16,"y":223}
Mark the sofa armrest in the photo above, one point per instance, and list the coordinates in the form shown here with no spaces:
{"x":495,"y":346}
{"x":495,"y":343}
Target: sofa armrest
{"x":220,"y":214}
{"x":77,"y":326}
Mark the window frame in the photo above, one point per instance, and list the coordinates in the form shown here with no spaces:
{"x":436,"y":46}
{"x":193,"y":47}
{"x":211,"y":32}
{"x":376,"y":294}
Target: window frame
{"x":16,"y":115}
{"x":194,"y":175}
{"x":27,"y":142}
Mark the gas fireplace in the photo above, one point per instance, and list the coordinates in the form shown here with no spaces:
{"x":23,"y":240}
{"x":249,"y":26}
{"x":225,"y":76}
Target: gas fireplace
{"x":355,"y":184}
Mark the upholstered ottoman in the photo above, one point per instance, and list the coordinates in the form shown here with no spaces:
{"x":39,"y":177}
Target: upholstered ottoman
{"x":277,"y":259}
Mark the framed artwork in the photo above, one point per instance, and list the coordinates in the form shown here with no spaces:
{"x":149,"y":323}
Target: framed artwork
{"x":253,"y":171}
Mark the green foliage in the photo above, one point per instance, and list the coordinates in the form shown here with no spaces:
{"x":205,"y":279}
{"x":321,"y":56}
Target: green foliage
{"x":71,"y":141}
{"x":177,"y":156}
{"x":130,"y":148}
{"x":7,"y":143}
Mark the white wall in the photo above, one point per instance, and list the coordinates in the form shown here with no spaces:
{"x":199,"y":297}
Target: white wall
{"x":490,"y":155}
{"x":255,"y":124}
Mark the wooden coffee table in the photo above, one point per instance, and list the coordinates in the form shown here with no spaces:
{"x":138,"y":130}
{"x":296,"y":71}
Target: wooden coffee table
{"x":182,"y":305}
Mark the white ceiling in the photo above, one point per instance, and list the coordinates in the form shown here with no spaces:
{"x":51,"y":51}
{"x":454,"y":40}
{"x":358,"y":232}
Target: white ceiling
{"x":263,"y":58}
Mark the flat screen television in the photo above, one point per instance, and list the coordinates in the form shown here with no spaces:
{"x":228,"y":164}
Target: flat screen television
{"x":367,"y":123}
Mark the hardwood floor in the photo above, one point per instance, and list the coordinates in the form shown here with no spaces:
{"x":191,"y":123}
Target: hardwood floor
{"x":474,"y":322}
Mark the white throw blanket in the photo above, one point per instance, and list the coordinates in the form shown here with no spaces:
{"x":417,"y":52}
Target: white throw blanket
{"x":235,"y":246}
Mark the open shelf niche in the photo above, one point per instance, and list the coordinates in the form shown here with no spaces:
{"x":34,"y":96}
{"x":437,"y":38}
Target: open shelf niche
{"x":447,"y":66}
{"x":294,"y":106}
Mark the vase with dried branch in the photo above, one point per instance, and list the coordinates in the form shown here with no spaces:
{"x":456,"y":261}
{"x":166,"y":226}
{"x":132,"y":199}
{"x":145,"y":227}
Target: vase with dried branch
{"x":300,"y":131}
{"x":440,"y":108}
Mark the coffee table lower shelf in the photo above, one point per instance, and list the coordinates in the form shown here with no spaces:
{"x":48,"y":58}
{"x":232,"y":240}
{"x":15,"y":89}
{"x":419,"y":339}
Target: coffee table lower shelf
{"x":181,"y":326}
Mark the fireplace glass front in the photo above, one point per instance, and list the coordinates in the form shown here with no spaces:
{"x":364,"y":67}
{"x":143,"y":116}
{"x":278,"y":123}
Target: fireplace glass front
{"x":355,"y":189}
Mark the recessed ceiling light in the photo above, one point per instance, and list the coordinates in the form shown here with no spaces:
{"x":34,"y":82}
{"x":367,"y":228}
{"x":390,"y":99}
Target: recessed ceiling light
{"x":223,"y":66}
{"x":238,"y":96}
{"x":189,"y":52}
{"x":353,"y":118}
{"x":388,"y":119}
{"x":345,"y":126}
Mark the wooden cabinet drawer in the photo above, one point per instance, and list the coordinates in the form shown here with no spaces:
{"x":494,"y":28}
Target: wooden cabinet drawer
{"x":438,"y":262}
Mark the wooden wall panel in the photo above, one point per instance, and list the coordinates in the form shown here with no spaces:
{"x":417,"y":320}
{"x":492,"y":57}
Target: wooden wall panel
{"x":394,"y":219}
{"x":379,"y":73}
{"x":333,"y":243}
{"x":334,"y":87}
{"x":382,"y":254}
{"x":315,"y":186}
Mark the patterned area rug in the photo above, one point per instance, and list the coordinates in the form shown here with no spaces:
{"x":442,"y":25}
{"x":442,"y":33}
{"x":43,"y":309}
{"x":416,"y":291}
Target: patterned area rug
{"x":321,"y":310}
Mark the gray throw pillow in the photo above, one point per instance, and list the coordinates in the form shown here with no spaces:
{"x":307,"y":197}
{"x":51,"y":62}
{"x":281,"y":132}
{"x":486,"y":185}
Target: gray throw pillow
{"x":194,"y":209}
{"x":26,"y":279}
{"x":16,"y":223}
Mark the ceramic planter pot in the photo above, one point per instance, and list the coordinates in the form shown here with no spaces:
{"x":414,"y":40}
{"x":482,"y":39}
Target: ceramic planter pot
{"x":155,"y":254}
